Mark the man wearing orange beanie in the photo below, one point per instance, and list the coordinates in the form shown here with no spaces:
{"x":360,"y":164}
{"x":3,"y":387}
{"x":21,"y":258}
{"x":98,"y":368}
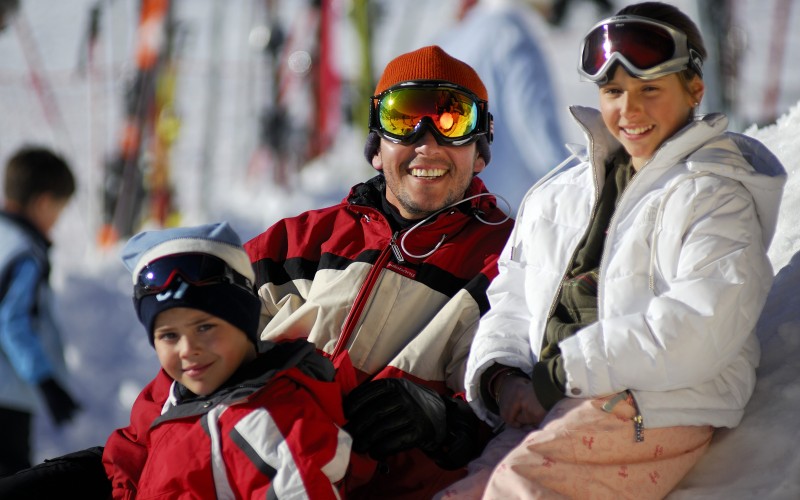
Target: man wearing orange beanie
{"x":392,"y":280}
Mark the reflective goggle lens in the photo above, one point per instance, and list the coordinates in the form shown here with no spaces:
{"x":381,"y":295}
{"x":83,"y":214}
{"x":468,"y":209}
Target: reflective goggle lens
{"x":453,"y":114}
{"x":195,"y":269}
{"x":644,"y":45}
{"x":647,"y":49}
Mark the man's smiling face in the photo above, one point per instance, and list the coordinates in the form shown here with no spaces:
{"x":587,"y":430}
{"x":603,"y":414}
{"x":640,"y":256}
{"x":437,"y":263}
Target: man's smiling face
{"x":425,"y":176}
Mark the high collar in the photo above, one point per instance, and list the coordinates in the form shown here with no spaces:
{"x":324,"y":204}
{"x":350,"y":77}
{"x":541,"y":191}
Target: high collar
{"x":249,"y":378}
{"x":704,"y":147}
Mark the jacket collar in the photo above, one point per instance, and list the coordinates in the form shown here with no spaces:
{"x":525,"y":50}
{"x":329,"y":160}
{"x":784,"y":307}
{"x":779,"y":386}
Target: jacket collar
{"x":705,"y":147}
{"x":691,"y":137}
{"x":249,"y":379}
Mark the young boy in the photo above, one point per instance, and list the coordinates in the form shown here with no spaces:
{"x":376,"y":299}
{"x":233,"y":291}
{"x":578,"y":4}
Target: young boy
{"x":37,"y":186}
{"x":237,"y":424}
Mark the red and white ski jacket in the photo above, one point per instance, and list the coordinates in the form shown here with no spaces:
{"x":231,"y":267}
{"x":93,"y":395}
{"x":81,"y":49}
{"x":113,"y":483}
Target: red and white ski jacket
{"x":401,"y":305}
{"x":272,"y":431}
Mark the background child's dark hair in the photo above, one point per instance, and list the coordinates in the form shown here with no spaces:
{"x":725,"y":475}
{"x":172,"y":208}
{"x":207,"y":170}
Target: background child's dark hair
{"x":34,"y":170}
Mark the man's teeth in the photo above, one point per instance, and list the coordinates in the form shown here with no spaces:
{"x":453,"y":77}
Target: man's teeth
{"x":637,"y":130}
{"x":428,"y":172}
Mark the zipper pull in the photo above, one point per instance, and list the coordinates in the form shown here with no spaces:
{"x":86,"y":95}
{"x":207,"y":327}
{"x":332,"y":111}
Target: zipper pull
{"x":638,"y":427}
{"x":398,"y":254}
{"x":638,"y":420}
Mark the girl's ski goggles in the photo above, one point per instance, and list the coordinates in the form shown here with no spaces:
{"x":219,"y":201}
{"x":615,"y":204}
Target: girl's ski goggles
{"x":648,"y":49}
{"x":196,"y":269}
{"x":455,"y":116}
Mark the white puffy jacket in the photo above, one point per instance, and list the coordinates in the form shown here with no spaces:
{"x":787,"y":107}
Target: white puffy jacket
{"x":683,"y":278}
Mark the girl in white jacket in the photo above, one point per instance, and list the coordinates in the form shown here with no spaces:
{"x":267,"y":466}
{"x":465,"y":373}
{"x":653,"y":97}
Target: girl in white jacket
{"x":622,"y":324}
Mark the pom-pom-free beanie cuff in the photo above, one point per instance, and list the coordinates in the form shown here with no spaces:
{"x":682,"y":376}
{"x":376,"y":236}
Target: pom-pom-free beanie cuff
{"x":238,"y":306}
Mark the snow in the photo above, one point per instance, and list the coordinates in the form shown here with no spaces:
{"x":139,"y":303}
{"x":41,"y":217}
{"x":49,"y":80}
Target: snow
{"x":107,"y":348}
{"x":758,"y":459}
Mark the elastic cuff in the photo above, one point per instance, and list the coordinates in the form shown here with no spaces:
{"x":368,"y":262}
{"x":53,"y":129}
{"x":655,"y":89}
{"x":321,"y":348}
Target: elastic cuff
{"x":489,"y":377}
{"x":544,"y":384}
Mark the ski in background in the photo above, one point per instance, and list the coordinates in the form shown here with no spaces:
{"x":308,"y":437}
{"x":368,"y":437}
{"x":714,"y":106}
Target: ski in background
{"x":40,"y":82}
{"x":302,"y":112}
{"x":362,"y":18}
{"x":326,"y":111}
{"x":88,"y":69}
{"x":211,"y":119}
{"x":162,"y":209}
{"x":137,"y":187}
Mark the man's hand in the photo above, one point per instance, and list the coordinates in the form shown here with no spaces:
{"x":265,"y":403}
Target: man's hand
{"x":464,"y":437}
{"x":390,"y":415}
{"x":518,"y":403}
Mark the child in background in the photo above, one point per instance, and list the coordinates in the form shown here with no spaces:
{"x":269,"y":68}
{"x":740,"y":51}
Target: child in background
{"x":37,"y":186}
{"x":237,"y":424}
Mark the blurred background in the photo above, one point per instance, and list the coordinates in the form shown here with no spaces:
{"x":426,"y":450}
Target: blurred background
{"x":186,"y":111}
{"x":158,"y":102}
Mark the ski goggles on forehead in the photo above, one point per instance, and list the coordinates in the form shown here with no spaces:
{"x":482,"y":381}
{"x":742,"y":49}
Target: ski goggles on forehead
{"x":196,"y":269}
{"x":647,"y":48}
{"x":455,"y":116}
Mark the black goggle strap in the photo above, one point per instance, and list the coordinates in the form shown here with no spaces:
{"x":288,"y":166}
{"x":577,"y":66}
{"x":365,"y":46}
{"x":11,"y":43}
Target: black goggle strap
{"x":695,"y":62}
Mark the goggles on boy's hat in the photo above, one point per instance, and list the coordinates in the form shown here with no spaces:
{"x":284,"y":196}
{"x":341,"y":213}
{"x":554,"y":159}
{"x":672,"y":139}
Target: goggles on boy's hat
{"x":647,"y":49}
{"x":198,"y":281}
{"x":454,"y":114}
{"x":196,"y":269}
{"x":201,"y":267}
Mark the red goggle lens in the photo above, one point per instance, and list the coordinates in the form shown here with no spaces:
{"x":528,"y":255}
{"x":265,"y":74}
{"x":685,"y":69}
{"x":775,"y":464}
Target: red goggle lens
{"x":643,"y":45}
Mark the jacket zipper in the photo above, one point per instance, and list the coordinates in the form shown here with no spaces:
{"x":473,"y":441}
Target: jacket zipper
{"x":575,"y":250}
{"x":364,"y":293}
{"x":638,"y":421}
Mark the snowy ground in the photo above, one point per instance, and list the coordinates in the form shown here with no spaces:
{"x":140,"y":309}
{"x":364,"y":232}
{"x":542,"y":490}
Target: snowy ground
{"x":107,"y":348}
{"x":759,"y":458}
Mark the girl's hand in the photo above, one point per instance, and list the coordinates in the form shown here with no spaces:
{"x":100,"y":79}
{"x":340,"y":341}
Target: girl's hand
{"x":518,"y":403}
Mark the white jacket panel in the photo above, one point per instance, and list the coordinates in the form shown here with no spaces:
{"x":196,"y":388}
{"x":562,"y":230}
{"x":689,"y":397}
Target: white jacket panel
{"x":683,"y":278}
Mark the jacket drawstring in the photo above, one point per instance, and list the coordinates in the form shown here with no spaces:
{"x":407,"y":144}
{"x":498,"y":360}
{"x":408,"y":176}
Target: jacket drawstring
{"x":444,"y":236}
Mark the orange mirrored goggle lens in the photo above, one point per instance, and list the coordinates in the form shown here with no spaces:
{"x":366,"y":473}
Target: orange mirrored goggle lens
{"x":453,"y":114}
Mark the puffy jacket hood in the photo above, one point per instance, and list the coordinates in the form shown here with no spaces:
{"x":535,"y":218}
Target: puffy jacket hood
{"x":714,"y":151}
{"x":748,"y":161}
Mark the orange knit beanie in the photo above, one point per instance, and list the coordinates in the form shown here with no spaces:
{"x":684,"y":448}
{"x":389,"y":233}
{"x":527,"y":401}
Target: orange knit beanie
{"x":431,"y":63}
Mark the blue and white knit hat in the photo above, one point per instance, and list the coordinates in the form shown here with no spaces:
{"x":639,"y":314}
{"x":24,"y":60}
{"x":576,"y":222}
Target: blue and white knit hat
{"x":230,"y":302}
